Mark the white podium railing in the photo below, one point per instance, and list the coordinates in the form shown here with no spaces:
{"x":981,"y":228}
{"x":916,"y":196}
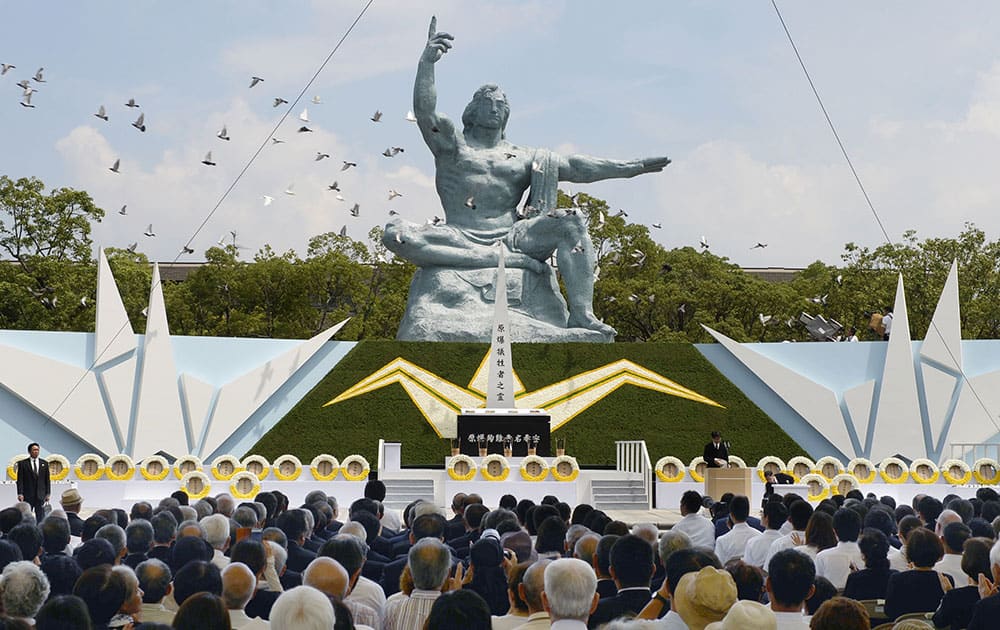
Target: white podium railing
{"x":633,"y":457}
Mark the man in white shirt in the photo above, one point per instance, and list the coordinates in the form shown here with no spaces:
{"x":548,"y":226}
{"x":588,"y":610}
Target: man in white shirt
{"x":835,"y":564}
{"x":733,"y":544}
{"x":570,"y":593}
{"x":790,"y":577}
{"x":953,"y":538}
{"x":887,"y":323}
{"x":217,"y":534}
{"x":758,"y":549}
{"x":238,"y":585}
{"x":799,"y":513}
{"x":699,"y":529}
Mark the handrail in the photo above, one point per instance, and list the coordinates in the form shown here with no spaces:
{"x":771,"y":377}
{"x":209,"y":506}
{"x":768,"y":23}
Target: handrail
{"x":632,"y":456}
{"x":968,"y":451}
{"x":381,"y":453}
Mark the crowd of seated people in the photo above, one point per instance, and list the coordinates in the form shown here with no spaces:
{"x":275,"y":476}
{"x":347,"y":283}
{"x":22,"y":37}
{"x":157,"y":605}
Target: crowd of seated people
{"x":850,"y":562}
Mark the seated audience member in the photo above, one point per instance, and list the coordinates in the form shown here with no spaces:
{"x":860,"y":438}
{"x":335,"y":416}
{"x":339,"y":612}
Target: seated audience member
{"x":238,"y":586}
{"x":455,"y":526}
{"x":551,"y":540}
{"x":72,"y":502}
{"x":519,"y":612}
{"x":733,"y":544}
{"x":164,"y":527}
{"x":928,"y":509}
{"x":94,"y":552}
{"x":155,"y":580}
{"x":488,"y":579}
{"x":840,"y":613}
{"x":116,"y":536}
{"x":698,"y":528}
{"x":678,"y":564}
{"x":303,"y":608}
{"x":28,"y":539}
{"x":62,"y":572}
{"x":835,"y":564}
{"x":758,"y":548}
{"x":217,"y":535}
{"x":424,"y":526}
{"x":253,"y":554}
{"x":955,"y":610}
{"x":746,"y":615}
{"x":631,"y":567}
{"x":872,"y":581}
{"x":822,"y":591}
{"x":799,"y":512}
{"x":749,"y":580}
{"x":570,"y":592}
{"x":919,"y":589}
{"x":195,"y":577}
{"x":704,"y":597}
{"x":138,"y":541}
{"x":24,"y":589}
{"x":819,"y":535}
{"x":459,"y":610}
{"x":953,"y":537}
{"x":103,"y":591}
{"x":350,"y":552}
{"x":55,"y":536}
{"x":429,"y":565}
{"x":202,"y":611}
{"x":328,"y":577}
{"x":602,"y":566}
{"x":63,"y":612}
{"x":789,"y":584}
{"x":293,"y":523}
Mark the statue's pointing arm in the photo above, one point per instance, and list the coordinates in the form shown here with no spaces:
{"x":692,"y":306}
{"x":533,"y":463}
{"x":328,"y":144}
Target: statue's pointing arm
{"x":438,"y":131}
{"x":585,"y":168}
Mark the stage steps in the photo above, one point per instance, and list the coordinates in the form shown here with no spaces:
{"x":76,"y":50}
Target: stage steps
{"x":400,"y":492}
{"x":618,"y":494}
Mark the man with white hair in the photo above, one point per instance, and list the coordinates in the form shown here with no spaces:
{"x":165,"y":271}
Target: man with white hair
{"x":225,"y":505}
{"x":430,"y":562}
{"x":570,"y":593}
{"x":302,"y":608}
{"x":330,"y":578}
{"x":217,"y":534}
{"x":238,"y":585}
{"x":25,"y":588}
{"x":116,"y":536}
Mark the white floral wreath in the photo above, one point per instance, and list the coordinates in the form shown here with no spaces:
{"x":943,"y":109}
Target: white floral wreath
{"x":265,"y":466}
{"x":187,"y":459}
{"x":853,"y":465}
{"x":829,"y":460}
{"x":843,"y":478}
{"x":922,"y":462}
{"x":282,"y":459}
{"x":770,"y":459}
{"x":978,"y":473}
{"x":12,"y":465}
{"x":484,"y":467}
{"x":678,"y":465}
{"x":206,"y":485}
{"x":735,"y":459}
{"x":63,"y":465}
{"x":87,"y":458}
{"x":797,"y":461}
{"x":109,"y":467}
{"x":318,"y":461}
{"x":157,"y":459}
{"x":534,"y":459}
{"x":565,"y":459}
{"x":235,"y":483}
{"x":232,"y":460}
{"x":697,"y":475}
{"x":883,"y":470}
{"x":469,"y":464}
{"x":949,"y":465}
{"x":345,"y":468}
{"x":809,"y":480}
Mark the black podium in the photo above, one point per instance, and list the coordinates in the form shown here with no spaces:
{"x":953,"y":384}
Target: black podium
{"x":492,"y":428}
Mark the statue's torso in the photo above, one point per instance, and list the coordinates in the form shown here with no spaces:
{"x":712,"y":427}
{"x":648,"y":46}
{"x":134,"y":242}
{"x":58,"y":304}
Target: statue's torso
{"x":495,"y":182}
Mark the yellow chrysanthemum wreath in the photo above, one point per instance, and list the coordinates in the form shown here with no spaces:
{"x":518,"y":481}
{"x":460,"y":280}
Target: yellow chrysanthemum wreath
{"x":528,"y":461}
{"x":231,"y":462}
{"x":119,"y":468}
{"x":843,"y":478}
{"x":58,"y":467}
{"x":886,"y":467}
{"x":258,"y":465}
{"x":88,"y":460}
{"x":663,"y":465}
{"x":327,"y":463}
{"x":561,"y":462}
{"x":282,"y":462}
{"x":863,"y":469}
{"x":800,"y":466}
{"x":772,"y":463}
{"x":187,"y":463}
{"x":461,"y":468}
{"x":12,"y":465}
{"x":487,"y":463}
{"x":827,"y":465}
{"x":244,"y":485}
{"x":355,"y":468}
{"x":697,"y":469}
{"x":819,"y":487}
{"x":924,"y":471}
{"x":956,"y":472}
{"x":159,"y":463}
{"x":981,"y":471}
{"x":189,"y":479}
{"x":736,"y":461}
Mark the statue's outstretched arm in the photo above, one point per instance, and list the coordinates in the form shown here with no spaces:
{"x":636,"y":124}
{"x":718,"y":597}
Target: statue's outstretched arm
{"x":438,"y":131}
{"x":585,"y":168}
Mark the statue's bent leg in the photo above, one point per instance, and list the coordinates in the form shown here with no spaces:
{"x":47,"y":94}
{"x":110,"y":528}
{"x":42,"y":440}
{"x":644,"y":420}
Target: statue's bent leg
{"x":436,"y":246}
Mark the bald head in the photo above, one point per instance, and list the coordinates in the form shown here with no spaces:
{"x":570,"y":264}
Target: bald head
{"x":946,"y":517}
{"x":585,"y":548}
{"x":532,"y":585}
{"x":238,"y":585}
{"x":355,"y":529}
{"x":328,"y":576}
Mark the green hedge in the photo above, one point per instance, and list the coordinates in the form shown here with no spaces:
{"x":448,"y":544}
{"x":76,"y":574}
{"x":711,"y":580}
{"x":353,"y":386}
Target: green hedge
{"x":670,"y":425}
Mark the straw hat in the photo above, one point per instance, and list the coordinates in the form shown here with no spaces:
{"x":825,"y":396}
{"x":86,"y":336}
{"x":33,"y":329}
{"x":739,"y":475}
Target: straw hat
{"x":704,"y":597}
{"x":746,"y":615}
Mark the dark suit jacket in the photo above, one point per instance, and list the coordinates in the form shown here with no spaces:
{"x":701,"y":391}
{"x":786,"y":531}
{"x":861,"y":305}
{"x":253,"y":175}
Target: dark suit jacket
{"x":75,"y":524}
{"x":159,"y":553}
{"x":957,"y":607}
{"x":134,"y":559}
{"x":912,"y":591}
{"x":298,"y":558}
{"x":627,"y":603}
{"x":711,"y":453}
{"x":868,"y":583}
{"x":261,"y":603}
{"x":606,"y":588}
{"x":290,"y":579}
{"x":722,"y":525}
{"x":454,"y":528}
{"x":34,"y":489}
{"x":389,"y":581}
{"x":334,"y":527}
{"x":985,"y":614}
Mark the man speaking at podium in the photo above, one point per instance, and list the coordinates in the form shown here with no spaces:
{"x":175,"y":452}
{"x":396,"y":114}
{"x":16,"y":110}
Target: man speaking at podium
{"x":716,"y":454}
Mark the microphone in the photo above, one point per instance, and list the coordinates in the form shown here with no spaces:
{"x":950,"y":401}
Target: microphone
{"x":727,"y":445}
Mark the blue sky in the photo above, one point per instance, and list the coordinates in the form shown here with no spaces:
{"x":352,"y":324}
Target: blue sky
{"x":913,"y":88}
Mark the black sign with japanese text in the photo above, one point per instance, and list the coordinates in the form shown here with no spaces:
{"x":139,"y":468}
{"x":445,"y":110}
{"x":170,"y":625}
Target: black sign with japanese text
{"x":493,"y":431}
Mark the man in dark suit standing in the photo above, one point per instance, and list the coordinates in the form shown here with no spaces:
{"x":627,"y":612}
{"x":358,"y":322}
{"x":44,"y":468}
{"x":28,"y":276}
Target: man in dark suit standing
{"x":716,"y":455}
{"x":33,"y":484}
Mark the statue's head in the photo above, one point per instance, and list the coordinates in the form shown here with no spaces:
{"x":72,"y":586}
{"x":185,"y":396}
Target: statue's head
{"x":488,"y":108}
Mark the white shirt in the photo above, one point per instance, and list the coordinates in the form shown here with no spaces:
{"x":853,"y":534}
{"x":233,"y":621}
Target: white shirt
{"x":791,"y":620}
{"x":809,"y":550}
{"x":782,"y":543}
{"x":887,"y":323}
{"x":390,"y":519}
{"x":733,"y":544}
{"x":786,"y":528}
{"x":568,"y":624}
{"x":507,"y":622}
{"x":672,"y":621}
{"x":239,"y":620}
{"x":699,"y":529}
{"x":758,"y":549}
{"x":897,"y":559}
{"x":404,"y":612}
{"x":219,"y":559}
{"x":536,"y":621}
{"x":835,"y":564}
{"x":368,"y":593}
{"x":951,"y":564}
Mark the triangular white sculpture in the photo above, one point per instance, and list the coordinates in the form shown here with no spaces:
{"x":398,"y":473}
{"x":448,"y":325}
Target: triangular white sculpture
{"x":943,"y":343}
{"x":113,"y":334}
{"x":500,"y":385}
